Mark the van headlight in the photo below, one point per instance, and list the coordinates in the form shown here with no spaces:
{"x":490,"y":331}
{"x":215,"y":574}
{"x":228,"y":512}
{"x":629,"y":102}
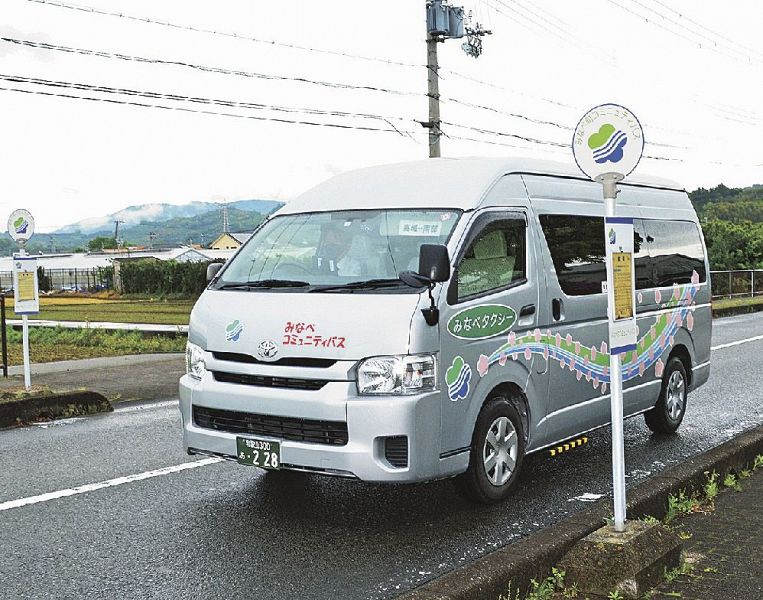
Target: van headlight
{"x":406,"y":374}
{"x":194,"y":361}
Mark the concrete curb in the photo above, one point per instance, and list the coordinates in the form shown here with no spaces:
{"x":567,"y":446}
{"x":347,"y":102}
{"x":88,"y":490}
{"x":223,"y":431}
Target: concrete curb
{"x":534,"y":556}
{"x":54,"y":406}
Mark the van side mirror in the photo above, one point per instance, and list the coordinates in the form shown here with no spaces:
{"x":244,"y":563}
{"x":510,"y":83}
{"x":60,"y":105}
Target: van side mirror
{"x":434,"y":262}
{"x":434,"y":267}
{"x":212,"y":270}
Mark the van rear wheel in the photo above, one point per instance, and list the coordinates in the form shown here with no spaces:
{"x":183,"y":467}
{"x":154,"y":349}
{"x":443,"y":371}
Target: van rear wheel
{"x":496,"y":453}
{"x":667,"y":414}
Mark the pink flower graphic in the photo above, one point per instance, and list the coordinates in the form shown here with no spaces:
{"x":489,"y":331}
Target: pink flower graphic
{"x":512,"y":338}
{"x":558,"y":339}
{"x":482,"y":365}
{"x":605,"y":371}
{"x":545,"y":352}
{"x":604,"y":347}
{"x":690,"y":321}
{"x":528,"y":354}
{"x":568,"y":339}
{"x":577,"y":347}
{"x":593,"y":353}
{"x":651,"y":353}
{"x":603,"y":388}
{"x":676,"y":292}
{"x":572,"y":365}
{"x":659,"y":368}
{"x":595,"y":382}
{"x":586,"y":362}
{"x":653,"y":332}
{"x":537,"y":335}
{"x":579,"y":374}
{"x":657,"y":296}
{"x":672,"y":340}
{"x":694,"y":277}
{"x":679,"y":319}
{"x":502,"y":359}
{"x":588,"y":376}
{"x":561,"y":363}
{"x":641,"y":370}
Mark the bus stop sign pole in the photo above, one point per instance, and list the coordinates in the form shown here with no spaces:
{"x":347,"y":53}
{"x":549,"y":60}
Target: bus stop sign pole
{"x":607,"y":145}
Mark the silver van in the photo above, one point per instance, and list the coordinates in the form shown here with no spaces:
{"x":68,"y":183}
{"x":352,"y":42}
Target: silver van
{"x":441,"y":318}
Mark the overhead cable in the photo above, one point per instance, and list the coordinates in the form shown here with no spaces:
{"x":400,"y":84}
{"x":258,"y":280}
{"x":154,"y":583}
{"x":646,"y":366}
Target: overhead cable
{"x":228,"y":34}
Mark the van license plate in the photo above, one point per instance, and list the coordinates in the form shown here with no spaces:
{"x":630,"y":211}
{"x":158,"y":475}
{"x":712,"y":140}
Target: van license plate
{"x":258,"y":453}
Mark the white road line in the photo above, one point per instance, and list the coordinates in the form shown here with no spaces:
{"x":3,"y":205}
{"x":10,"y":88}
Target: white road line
{"x":90,"y":487}
{"x":737,"y":343}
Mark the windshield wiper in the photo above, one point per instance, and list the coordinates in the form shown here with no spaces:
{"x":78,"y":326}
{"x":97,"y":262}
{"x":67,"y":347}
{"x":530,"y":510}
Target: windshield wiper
{"x":263,"y":283}
{"x":368,"y":284}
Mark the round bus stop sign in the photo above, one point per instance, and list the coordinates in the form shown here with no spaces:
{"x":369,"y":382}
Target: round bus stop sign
{"x":21,"y":225}
{"x":608,"y":140}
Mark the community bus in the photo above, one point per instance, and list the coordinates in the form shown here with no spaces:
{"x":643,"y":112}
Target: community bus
{"x":441,"y":318}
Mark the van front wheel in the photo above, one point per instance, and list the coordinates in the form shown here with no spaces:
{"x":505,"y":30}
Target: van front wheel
{"x":670,"y":409}
{"x":497,"y":450}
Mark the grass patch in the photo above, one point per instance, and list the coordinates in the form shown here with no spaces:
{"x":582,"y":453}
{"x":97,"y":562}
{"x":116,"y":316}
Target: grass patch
{"x":722,"y":303}
{"x":63,"y":308}
{"x":48,"y":344}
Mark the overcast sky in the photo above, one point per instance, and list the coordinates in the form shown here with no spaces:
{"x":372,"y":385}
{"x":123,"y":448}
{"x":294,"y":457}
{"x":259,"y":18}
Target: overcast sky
{"x":693,"y":75}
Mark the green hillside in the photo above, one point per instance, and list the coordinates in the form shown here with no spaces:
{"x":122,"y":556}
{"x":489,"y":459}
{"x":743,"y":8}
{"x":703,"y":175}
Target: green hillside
{"x":732,"y":221}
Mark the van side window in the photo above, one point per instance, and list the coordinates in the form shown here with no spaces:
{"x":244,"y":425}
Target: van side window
{"x":675,"y":249}
{"x":577,"y":251}
{"x":642,"y":262}
{"x":495,"y":259}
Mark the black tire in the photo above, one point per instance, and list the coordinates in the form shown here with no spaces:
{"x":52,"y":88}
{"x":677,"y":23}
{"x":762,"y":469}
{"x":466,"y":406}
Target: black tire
{"x":475,"y":484}
{"x":667,"y":414}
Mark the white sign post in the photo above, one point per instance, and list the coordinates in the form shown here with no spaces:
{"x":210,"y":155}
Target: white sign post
{"x":25,"y":289}
{"x":607,"y":144}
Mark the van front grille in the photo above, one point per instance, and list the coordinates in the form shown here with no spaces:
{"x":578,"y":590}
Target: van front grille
{"x":267,"y":381}
{"x":332,"y":433}
{"x":292,"y":361}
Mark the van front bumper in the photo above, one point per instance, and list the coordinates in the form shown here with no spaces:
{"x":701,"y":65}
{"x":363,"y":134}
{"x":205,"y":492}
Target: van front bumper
{"x":370,"y":420}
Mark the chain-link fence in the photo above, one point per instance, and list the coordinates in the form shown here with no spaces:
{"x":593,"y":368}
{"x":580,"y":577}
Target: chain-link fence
{"x":737,"y":284}
{"x":75,"y":280}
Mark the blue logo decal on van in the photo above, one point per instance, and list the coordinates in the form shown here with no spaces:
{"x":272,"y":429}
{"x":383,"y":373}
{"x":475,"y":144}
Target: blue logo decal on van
{"x":458,"y":377}
{"x":233,"y":331}
{"x":612,"y":236}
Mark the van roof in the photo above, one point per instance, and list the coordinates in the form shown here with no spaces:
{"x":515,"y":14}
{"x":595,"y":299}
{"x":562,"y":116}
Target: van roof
{"x":432,"y":183}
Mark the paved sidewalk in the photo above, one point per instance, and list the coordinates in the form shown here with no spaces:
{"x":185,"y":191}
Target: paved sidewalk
{"x":119,"y":378}
{"x":725,"y":547}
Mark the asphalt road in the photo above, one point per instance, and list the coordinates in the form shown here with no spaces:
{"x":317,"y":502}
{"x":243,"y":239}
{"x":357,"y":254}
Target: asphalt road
{"x":224,"y":531}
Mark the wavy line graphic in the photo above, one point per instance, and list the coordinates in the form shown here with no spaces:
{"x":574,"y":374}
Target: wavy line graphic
{"x":592,"y":362}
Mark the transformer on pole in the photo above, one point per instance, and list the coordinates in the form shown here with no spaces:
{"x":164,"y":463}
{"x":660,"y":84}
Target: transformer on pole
{"x":445,"y":22}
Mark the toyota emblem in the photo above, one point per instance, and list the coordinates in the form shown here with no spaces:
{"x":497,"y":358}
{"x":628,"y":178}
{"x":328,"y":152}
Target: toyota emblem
{"x":267,"y":350}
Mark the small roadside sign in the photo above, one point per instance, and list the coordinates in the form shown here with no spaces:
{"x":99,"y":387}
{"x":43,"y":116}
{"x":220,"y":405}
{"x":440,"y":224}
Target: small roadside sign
{"x":21,"y":225}
{"x":26,"y":297}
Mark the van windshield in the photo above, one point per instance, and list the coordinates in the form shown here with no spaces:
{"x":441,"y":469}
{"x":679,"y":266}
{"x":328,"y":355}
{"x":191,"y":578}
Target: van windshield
{"x":336,"y":251}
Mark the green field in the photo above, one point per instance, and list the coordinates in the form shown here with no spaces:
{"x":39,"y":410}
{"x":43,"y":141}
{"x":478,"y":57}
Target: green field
{"x":58,"y":308}
{"x":48,"y":344}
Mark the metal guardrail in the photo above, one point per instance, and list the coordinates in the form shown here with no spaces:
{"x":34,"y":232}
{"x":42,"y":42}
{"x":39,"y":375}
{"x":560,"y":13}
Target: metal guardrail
{"x":739,"y":283}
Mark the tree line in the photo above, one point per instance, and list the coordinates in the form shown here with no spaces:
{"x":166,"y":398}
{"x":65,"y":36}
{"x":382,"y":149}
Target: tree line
{"x":732,"y":221}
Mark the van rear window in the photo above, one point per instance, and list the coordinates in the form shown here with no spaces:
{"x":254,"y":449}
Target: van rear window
{"x":666,"y":252}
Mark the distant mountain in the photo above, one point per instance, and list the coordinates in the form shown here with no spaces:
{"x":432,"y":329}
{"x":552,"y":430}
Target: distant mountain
{"x":156,"y":213}
{"x":198,"y":223}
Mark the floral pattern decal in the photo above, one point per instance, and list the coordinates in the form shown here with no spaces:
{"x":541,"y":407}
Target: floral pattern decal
{"x":592,"y":362}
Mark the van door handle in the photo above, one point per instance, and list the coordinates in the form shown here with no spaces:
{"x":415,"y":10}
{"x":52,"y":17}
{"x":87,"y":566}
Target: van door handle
{"x":556,"y":309}
{"x":527,"y":310}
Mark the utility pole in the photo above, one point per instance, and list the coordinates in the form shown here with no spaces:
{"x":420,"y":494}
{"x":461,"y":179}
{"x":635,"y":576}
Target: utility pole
{"x":151,"y":238}
{"x":433,"y":91}
{"x":445,"y":22}
{"x":117,"y":222}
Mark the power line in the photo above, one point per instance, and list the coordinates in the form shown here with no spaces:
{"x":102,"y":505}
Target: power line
{"x":198,"y":67}
{"x":228,"y":34}
{"x":700,"y":25}
{"x":192,"y":99}
{"x":693,"y":41}
{"x":186,"y":109}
